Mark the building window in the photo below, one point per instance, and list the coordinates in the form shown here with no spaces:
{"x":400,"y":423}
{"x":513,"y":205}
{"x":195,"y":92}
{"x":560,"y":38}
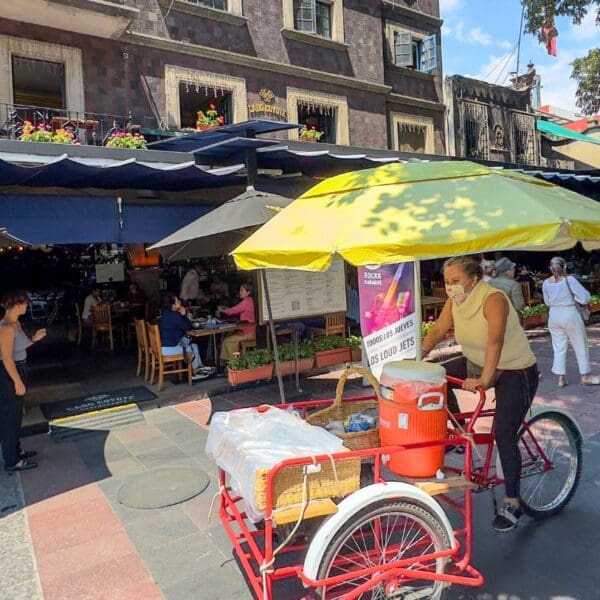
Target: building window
{"x":411,"y":50}
{"x":320,"y":118}
{"x":476,"y":131}
{"x":40,"y":74}
{"x":412,"y":133}
{"x":188,"y":91}
{"x":194,"y":98}
{"x":524,"y":139}
{"x":218,"y":4}
{"x":313,"y":16}
{"x":325,"y":112}
{"x":38,"y":83}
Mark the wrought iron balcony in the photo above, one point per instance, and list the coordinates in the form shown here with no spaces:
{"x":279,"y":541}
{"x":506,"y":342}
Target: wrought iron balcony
{"x":86,"y":128}
{"x":101,"y":18}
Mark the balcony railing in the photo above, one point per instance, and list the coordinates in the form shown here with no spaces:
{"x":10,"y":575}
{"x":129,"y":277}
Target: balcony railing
{"x":87,"y":128}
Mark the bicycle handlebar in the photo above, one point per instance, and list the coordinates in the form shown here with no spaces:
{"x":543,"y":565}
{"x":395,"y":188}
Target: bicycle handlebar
{"x":477,"y":412}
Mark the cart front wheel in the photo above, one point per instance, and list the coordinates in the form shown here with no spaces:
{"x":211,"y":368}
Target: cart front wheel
{"x":550,"y":446}
{"x":379,"y":535}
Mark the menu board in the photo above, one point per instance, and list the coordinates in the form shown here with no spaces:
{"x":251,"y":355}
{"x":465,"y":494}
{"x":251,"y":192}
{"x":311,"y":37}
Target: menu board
{"x":296,"y":294}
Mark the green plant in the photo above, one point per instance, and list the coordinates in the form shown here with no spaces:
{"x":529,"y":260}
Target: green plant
{"x":354,"y":342}
{"x":426,"y":327}
{"x":530,"y":311}
{"x":120,"y":139}
{"x":310,"y":134}
{"x":286,"y":352}
{"x":210,"y":118}
{"x":44,"y":133}
{"x":259,"y":357}
{"x":595,"y":299}
{"x":328,"y":342}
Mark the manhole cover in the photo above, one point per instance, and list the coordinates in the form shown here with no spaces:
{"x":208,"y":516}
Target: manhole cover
{"x":163,"y":487}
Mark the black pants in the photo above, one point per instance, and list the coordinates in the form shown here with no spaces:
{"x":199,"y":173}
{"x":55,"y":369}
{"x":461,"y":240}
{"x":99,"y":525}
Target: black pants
{"x":11,"y":415}
{"x":515,"y":391}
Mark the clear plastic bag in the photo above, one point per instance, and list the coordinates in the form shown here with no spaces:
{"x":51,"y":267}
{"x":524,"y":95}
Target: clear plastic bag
{"x":244,"y":441}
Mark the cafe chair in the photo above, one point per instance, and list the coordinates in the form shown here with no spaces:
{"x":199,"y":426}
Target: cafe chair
{"x":439,"y":292}
{"x":166,"y":365}
{"x":246,"y":345}
{"x":143,"y":348}
{"x":335,"y":324}
{"x":102,"y":323}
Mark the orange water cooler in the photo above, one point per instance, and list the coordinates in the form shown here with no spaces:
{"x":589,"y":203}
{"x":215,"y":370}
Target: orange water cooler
{"x":412,"y":410}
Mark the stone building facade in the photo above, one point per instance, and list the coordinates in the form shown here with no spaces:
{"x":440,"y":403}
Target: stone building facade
{"x":491,"y":122}
{"x":364,"y":73}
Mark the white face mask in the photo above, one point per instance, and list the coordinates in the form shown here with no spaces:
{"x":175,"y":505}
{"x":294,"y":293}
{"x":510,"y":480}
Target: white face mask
{"x":457,"y":292}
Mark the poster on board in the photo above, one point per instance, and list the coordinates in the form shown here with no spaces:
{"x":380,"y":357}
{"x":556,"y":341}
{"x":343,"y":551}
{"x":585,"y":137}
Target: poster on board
{"x":110,"y":273}
{"x":297,"y":294}
{"x":387,"y":313}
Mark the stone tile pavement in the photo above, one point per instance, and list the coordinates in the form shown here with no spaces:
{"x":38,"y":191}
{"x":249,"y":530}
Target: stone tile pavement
{"x":65,"y":536}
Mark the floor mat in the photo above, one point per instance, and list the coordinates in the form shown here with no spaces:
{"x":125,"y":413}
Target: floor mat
{"x":100,"y":421}
{"x":94,"y":402}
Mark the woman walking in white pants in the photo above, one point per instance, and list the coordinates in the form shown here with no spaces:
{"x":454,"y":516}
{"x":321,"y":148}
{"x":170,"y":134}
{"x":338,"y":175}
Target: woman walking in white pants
{"x":566,"y":325}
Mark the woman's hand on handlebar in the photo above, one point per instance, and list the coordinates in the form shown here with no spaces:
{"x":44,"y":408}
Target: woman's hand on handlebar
{"x":472,"y":385}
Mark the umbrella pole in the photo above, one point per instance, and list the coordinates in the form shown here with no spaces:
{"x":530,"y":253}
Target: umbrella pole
{"x":263,"y":274}
{"x":418,"y":309}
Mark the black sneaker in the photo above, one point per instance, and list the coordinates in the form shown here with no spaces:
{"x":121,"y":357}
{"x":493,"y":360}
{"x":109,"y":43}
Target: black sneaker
{"x":507,"y":517}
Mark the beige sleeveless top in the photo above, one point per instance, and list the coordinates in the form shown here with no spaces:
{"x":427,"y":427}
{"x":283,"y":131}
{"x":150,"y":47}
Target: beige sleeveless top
{"x":471,"y":330}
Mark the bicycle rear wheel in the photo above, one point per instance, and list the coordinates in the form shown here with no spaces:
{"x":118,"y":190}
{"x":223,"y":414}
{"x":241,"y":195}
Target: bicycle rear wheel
{"x":378,"y":535}
{"x":551,"y":457}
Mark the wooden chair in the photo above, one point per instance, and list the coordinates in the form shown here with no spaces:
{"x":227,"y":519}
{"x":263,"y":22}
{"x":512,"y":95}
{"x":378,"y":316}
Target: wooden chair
{"x":439,"y":292}
{"x":166,"y":365}
{"x":143,"y":348}
{"x":335,"y":324}
{"x":279,"y":332}
{"x":102,"y":323}
{"x":526,"y":289}
{"x":247,"y":345}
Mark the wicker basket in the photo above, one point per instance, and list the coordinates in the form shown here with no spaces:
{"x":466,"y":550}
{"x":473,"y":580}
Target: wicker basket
{"x":288,"y":483}
{"x":339,"y":410}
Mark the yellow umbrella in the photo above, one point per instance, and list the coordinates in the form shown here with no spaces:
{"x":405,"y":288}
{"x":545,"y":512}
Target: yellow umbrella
{"x":416,"y":211}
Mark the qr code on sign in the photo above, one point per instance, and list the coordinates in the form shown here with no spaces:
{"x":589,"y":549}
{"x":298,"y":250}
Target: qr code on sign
{"x":296,"y":305}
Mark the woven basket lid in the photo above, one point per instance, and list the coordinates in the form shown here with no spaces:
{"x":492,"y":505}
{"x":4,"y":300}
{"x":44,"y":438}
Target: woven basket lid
{"x":412,"y":370}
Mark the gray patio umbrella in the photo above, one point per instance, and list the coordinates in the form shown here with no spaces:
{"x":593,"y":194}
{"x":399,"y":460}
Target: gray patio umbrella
{"x":6,"y":239}
{"x":222,"y":229}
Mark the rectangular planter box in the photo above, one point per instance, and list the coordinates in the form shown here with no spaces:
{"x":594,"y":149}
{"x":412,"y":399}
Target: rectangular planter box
{"x":355,"y":354}
{"x":594,"y":308}
{"x":304,"y":364}
{"x":534,"y":321}
{"x":327,"y":358}
{"x":247,"y":375}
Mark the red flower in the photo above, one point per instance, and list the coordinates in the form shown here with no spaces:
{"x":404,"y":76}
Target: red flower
{"x":212,"y":107}
{"x":221,"y":120}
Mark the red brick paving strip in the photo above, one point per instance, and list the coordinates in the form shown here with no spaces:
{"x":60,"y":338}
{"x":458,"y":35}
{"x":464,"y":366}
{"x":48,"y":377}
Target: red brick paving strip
{"x":81,"y":547}
{"x":196,"y":410}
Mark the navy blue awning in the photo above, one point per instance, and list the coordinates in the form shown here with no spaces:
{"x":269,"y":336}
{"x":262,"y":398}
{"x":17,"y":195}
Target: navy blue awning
{"x":91,"y":219}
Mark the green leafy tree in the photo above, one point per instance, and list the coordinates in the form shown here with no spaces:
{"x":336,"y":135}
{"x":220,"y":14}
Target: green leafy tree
{"x":586,"y":70}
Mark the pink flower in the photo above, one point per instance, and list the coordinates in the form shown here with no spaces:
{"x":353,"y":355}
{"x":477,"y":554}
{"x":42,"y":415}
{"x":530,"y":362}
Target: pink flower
{"x":212,"y":107}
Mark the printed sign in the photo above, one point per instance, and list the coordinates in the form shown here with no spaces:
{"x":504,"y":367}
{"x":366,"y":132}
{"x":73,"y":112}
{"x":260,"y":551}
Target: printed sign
{"x":387,"y":320}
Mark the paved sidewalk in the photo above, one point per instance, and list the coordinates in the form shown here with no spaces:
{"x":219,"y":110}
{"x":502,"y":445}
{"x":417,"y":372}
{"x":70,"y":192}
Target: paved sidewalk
{"x":65,"y":536}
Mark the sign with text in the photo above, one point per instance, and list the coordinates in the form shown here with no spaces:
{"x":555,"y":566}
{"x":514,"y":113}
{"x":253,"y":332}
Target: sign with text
{"x":387,"y":313}
{"x":296,"y":294}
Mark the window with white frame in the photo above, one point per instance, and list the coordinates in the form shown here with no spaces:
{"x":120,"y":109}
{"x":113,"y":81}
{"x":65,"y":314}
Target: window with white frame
{"x":412,"y":133}
{"x":412,"y":50}
{"x":313,"y":16}
{"x":218,"y":4}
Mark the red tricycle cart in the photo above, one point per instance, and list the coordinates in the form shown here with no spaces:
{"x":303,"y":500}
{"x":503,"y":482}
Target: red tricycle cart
{"x":391,"y":538}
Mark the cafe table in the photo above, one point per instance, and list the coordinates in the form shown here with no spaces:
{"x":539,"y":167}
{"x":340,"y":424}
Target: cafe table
{"x":221,"y":328}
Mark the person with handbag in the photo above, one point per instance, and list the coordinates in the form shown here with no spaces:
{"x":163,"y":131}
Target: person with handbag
{"x":567,"y":300}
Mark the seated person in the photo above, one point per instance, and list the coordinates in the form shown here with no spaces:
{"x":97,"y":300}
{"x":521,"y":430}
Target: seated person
{"x":219,"y":289}
{"x":244,"y":311}
{"x":134,"y":294}
{"x":173,"y":326}
{"x":92,"y":300}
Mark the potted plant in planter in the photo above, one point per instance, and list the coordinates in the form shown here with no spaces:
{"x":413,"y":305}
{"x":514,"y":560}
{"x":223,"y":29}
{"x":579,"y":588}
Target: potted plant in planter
{"x":310,"y":134}
{"x":209,"y":119}
{"x":44,"y":133}
{"x":595,"y":303}
{"x":330,"y":350}
{"x":131,"y":141}
{"x":306,"y":358}
{"x":354,"y":342}
{"x":534,"y":316}
{"x":252,"y":366}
